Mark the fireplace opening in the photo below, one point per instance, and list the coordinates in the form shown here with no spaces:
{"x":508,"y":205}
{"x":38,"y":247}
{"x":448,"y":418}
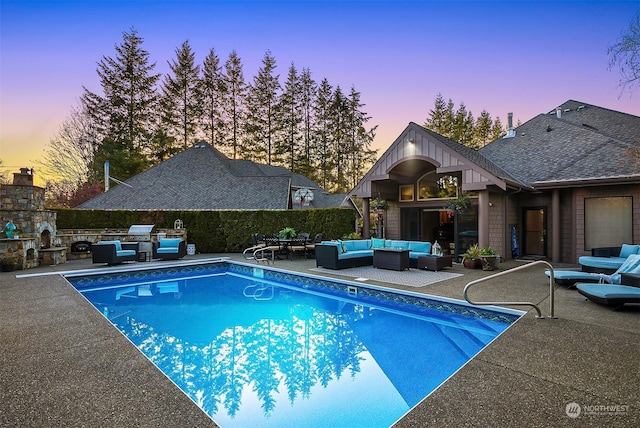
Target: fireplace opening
{"x":45,"y":239}
{"x":79,"y":247}
{"x":31,"y":254}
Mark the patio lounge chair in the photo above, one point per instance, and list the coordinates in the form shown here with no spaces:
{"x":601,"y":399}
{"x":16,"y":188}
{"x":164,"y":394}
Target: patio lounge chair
{"x":169,"y":249}
{"x":570,"y":277}
{"x":613,"y":294}
{"x":114,"y":252}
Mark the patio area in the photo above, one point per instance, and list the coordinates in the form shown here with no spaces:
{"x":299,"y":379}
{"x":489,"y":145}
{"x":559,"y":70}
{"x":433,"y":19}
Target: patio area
{"x":63,"y":364}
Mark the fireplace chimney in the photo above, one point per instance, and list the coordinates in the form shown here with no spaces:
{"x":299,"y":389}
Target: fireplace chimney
{"x":23,"y":178}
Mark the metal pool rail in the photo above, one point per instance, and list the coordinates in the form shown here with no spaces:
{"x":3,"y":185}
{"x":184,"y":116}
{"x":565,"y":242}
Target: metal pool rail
{"x":510,"y":271}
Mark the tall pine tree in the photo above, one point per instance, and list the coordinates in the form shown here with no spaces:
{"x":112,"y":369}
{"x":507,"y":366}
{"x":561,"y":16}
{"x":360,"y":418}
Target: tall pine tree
{"x":125,"y":113}
{"x":291,"y":119}
{"x":213,"y":90}
{"x":234,"y":102}
{"x":262,"y":116}
{"x":181,"y":97}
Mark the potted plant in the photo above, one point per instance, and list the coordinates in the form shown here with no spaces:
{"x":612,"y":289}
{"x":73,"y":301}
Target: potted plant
{"x":488,"y":258}
{"x":8,"y":263}
{"x":471,"y":258}
{"x":287,"y":233}
{"x":379,"y":204}
{"x":459,"y":204}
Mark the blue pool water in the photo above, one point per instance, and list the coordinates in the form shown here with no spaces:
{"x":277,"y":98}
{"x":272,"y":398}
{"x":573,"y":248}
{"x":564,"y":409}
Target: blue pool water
{"x":260,"y":347}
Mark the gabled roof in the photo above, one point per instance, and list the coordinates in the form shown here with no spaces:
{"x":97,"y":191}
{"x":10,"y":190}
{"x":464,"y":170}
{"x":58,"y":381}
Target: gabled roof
{"x":202,"y":178}
{"x":581,"y":143}
{"x":417,"y":142}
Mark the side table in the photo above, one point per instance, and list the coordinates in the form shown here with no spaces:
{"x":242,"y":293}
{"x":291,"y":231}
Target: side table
{"x":434,"y":263}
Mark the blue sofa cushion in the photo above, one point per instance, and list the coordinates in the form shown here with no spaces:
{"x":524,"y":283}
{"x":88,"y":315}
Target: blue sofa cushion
{"x":354,"y":254}
{"x":628,"y":250}
{"x":419,"y":246}
{"x":377,"y":243}
{"x":170,"y":242}
{"x":122,"y":253}
{"x":169,"y":246}
{"x":356,"y":244}
{"x":416,"y":254}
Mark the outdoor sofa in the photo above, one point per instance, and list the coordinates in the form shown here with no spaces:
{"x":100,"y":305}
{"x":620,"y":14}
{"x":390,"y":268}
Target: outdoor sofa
{"x":359,"y":252}
{"x":169,"y":249}
{"x":114,"y":252}
{"x":607,"y":260}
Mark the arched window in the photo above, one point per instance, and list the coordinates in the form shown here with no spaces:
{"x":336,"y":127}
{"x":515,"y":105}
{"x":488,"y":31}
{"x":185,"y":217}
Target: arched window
{"x":437,"y":186}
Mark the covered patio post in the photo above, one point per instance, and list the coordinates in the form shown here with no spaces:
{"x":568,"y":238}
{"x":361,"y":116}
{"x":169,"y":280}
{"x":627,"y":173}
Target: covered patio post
{"x":366,"y":234}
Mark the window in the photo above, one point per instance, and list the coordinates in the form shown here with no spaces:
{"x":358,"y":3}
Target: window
{"x":406,"y":193}
{"x":607,"y":222}
{"x":430,"y":186}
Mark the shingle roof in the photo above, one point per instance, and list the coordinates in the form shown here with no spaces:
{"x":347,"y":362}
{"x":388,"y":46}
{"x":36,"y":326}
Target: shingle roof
{"x":585,"y":143}
{"x":203,"y":178}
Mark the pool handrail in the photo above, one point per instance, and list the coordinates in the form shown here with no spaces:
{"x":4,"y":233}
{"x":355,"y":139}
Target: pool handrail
{"x":519,"y":268}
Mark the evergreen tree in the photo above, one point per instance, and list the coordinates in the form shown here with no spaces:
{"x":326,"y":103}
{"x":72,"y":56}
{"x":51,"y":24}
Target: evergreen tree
{"x":213,"y":90}
{"x":262,"y":116}
{"x":339,"y":131}
{"x":482,"y":131}
{"x":463,"y":126}
{"x":308,"y":93}
{"x":323,"y":154}
{"x":359,"y":140}
{"x":126,"y":112}
{"x":181,"y":107}
{"x":234,"y":101}
{"x":437,"y":117}
{"x":291,"y":119}
{"x":497,"y":130}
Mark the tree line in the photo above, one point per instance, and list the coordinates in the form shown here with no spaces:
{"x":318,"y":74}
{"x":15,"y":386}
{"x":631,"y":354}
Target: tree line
{"x":460,"y":125}
{"x":141,"y":118}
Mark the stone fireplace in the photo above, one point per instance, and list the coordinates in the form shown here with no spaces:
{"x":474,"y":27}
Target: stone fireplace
{"x":24,"y":204}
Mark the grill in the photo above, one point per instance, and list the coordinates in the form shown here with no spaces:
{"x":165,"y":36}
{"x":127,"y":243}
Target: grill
{"x":140,"y":232}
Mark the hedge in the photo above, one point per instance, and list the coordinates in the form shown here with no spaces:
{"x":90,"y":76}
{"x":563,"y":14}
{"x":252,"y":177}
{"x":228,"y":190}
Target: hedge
{"x":217,"y":231}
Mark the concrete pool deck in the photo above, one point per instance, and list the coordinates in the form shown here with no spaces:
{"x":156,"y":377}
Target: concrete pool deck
{"x":63,"y":364}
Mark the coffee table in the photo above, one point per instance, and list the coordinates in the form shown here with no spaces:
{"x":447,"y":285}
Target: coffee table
{"x":434,"y":263}
{"x":389,"y":258}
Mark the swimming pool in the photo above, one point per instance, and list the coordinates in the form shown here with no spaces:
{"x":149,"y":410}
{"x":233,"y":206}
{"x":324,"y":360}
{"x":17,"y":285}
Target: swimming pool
{"x":265,"y":347}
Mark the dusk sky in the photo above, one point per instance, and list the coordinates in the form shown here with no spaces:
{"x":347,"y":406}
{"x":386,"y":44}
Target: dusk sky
{"x":517,"y":56}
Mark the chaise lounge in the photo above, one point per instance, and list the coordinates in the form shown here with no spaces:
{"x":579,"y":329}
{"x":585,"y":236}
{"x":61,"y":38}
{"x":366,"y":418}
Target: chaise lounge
{"x":114,"y":252}
{"x":611,"y":294}
{"x":607,"y":260}
{"x":570,"y":277}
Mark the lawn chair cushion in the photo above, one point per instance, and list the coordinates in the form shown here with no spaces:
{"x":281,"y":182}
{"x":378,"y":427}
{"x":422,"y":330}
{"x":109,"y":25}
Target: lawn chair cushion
{"x":607,"y":294}
{"x":628,"y":250}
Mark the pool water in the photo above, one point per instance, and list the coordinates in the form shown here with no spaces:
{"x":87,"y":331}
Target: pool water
{"x":255,"y":347}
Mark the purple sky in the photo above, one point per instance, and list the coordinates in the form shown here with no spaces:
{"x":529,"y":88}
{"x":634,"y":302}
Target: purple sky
{"x":517,"y":56}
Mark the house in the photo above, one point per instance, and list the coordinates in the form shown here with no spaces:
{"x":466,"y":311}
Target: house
{"x":202,"y":178}
{"x":558,"y":185}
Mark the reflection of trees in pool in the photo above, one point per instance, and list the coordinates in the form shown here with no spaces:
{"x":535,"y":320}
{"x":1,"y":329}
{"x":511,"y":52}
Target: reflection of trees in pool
{"x":309,"y":347}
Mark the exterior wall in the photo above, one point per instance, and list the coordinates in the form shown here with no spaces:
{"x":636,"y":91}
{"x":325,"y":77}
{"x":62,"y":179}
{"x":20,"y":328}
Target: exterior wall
{"x":567,"y":227}
{"x":497,"y":214}
{"x":392,"y":222}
